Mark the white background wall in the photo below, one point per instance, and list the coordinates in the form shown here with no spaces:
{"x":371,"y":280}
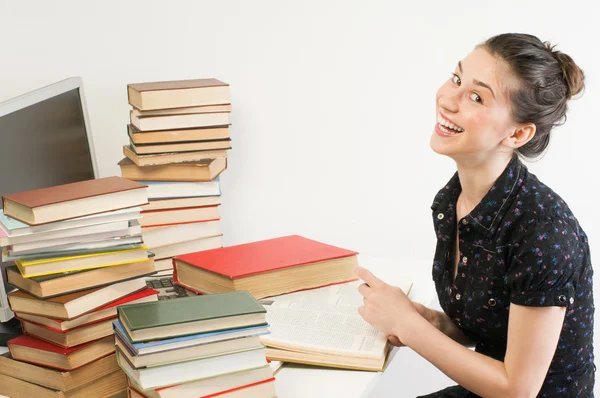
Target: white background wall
{"x":333,"y":101}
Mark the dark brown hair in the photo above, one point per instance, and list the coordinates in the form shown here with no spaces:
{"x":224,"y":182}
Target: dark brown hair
{"x":548,"y":79}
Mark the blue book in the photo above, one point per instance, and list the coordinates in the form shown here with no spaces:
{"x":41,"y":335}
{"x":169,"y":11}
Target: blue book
{"x":155,"y":346}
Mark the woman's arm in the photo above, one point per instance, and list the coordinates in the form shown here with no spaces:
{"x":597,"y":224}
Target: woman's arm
{"x":528,"y":354}
{"x":442,"y":322}
{"x":527,"y":357}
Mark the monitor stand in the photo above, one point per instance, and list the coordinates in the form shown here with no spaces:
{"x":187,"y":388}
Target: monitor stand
{"x":9,"y":330}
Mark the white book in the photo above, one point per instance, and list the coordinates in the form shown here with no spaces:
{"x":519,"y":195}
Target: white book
{"x":72,"y":232}
{"x":187,"y":247}
{"x":170,"y":235}
{"x":13,"y":229}
{"x":77,"y":241}
{"x":168,"y":375}
{"x":324,"y":321}
{"x":182,"y":189}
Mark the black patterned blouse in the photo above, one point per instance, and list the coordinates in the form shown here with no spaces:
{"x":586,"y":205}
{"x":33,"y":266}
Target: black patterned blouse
{"x":520,"y":245}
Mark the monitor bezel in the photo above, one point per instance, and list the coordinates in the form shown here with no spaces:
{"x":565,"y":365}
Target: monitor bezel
{"x":50,"y":91}
{"x":32,"y":98}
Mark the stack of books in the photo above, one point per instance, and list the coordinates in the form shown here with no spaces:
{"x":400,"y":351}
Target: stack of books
{"x":312,"y":309}
{"x":195,"y":347}
{"x":79,"y":255}
{"x":179,"y":138}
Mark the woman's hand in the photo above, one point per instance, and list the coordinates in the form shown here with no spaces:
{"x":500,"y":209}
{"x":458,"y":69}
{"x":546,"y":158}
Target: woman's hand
{"x":386,"y":307}
{"x":430,"y":315}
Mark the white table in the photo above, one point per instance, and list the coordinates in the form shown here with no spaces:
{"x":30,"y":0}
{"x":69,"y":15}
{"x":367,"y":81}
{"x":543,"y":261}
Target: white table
{"x":408,"y":375}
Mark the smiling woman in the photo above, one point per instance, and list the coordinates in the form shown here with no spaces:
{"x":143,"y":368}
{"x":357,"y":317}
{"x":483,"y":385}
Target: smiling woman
{"x":512,"y":265}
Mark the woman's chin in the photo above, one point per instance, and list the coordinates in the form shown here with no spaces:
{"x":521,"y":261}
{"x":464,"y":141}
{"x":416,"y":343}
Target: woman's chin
{"x":440,"y":146}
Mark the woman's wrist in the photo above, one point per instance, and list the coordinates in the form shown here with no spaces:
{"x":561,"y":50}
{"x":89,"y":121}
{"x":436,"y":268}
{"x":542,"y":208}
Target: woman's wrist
{"x":436,"y":319}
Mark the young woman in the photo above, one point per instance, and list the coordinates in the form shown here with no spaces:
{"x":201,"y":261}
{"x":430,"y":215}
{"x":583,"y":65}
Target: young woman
{"x":512,"y":265}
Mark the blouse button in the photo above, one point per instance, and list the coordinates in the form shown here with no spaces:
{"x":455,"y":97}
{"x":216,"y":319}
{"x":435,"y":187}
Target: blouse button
{"x":457,"y":296}
{"x":492,"y":302}
{"x":464,"y":260}
{"x":464,"y":221}
{"x":571,"y":300}
{"x":440,"y":216}
{"x":562,"y":298}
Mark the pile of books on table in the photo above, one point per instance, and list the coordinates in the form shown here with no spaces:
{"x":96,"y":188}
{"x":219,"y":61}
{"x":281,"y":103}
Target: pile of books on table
{"x":79,"y":255}
{"x":178,"y":143}
{"x":195,"y":347}
{"x":312,"y":298}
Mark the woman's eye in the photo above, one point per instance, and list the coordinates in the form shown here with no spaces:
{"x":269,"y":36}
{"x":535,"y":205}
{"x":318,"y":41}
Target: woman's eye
{"x":475,"y":97}
{"x":455,"y":79}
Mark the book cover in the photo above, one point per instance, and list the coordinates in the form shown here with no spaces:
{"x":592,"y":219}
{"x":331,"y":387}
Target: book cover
{"x":73,"y":191}
{"x":188,"y":309}
{"x":176,"y":84}
{"x":49,"y":259}
{"x":37,"y":344}
{"x":263,"y":256}
{"x":209,"y":337}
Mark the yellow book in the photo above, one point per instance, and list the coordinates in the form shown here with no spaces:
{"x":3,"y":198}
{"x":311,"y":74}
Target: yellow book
{"x":56,"y":265}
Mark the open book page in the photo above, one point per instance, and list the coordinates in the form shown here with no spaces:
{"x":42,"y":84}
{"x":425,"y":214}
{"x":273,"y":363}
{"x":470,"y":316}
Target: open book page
{"x":323,"y":320}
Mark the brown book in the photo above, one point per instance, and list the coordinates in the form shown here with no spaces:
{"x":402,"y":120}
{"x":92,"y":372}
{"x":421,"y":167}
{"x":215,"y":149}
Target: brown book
{"x":181,"y":121}
{"x":183,"y":111}
{"x":76,"y":304}
{"x":100,"y":314}
{"x":178,"y":203}
{"x":204,"y":170}
{"x":107,"y":386}
{"x":168,"y":158}
{"x":38,"y":352}
{"x":157,"y":218}
{"x":178,"y":94}
{"x":151,"y":149}
{"x":70,"y":338}
{"x":56,"y":379}
{"x":74,"y":200}
{"x":181,"y":135}
{"x":48,"y":286}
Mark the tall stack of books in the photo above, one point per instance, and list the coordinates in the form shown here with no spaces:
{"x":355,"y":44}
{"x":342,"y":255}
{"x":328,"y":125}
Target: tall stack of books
{"x":179,"y":137}
{"x":79,"y":255}
{"x":193,"y":347}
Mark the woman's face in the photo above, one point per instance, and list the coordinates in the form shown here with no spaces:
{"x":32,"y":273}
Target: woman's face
{"x":473,"y":114}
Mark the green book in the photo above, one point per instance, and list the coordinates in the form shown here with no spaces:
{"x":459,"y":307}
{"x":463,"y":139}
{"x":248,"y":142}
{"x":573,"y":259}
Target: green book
{"x":191,"y":315}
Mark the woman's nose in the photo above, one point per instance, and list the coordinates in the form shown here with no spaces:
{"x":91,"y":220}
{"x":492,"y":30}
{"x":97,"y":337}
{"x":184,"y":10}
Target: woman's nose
{"x":449,"y":102}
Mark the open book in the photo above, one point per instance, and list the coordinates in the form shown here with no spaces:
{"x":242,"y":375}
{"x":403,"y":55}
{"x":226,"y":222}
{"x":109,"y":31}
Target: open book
{"x":322,"y":327}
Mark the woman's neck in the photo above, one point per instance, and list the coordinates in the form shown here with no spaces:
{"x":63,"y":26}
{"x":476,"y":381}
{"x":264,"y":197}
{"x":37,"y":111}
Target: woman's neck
{"x":476,"y":179}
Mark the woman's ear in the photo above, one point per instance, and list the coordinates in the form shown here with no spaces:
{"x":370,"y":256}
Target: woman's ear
{"x":520,"y":136}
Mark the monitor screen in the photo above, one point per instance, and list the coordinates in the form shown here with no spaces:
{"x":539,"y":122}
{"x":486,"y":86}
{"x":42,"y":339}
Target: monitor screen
{"x":44,"y":144}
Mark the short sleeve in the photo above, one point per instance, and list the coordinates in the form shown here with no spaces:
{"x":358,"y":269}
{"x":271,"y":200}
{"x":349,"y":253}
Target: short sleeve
{"x":545,"y":264}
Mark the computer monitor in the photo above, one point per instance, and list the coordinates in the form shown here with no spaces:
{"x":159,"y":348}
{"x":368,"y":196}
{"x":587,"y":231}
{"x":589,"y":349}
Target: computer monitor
{"x":45,"y":140}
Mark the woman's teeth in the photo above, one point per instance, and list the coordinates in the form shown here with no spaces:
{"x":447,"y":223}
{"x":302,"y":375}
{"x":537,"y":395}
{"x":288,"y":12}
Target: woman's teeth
{"x":444,"y":123}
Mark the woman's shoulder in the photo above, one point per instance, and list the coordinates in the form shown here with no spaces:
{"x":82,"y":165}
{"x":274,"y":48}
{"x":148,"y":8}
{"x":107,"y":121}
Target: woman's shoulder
{"x":542,"y":205}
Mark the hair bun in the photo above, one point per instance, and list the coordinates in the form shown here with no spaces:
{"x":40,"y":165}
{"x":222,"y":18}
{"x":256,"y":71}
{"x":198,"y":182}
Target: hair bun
{"x":572,"y":74}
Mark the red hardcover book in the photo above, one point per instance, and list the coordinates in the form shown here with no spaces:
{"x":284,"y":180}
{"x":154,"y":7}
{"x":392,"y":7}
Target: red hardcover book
{"x":264,"y":256}
{"x":266,"y":268}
